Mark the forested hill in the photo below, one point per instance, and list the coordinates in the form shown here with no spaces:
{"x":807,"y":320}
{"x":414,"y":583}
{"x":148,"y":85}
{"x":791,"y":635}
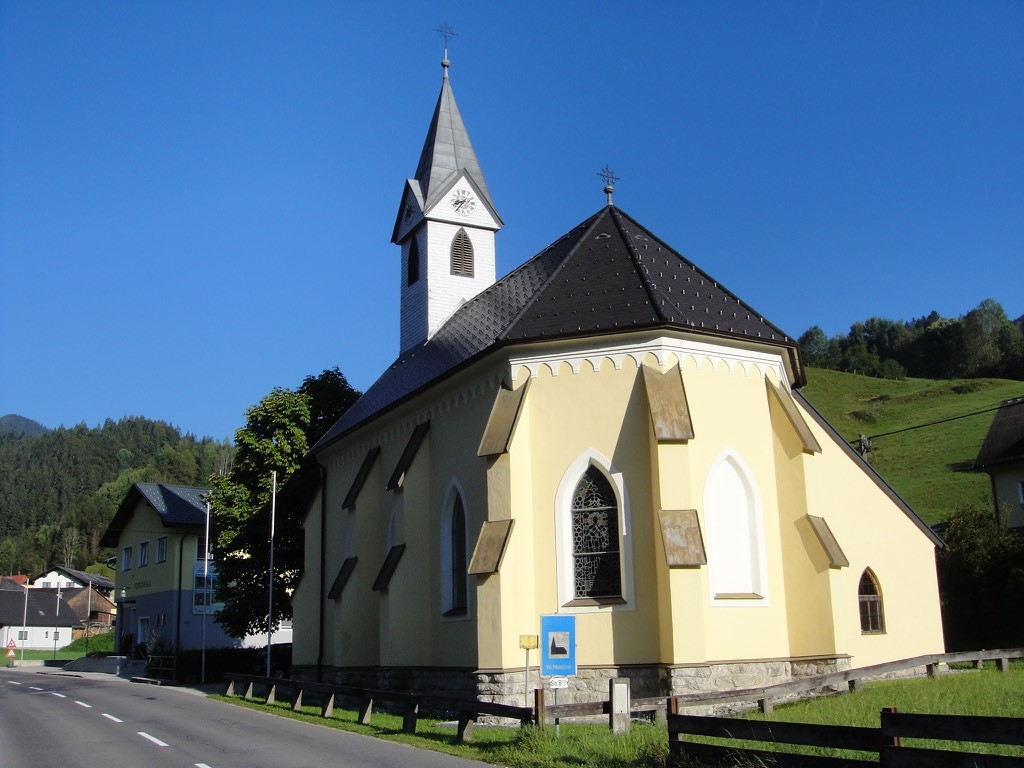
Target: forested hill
{"x":19,"y":425}
{"x":59,"y":488}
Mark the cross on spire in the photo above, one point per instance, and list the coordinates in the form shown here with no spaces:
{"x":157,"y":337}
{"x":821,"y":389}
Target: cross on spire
{"x":608,"y":176}
{"x":446,"y":33}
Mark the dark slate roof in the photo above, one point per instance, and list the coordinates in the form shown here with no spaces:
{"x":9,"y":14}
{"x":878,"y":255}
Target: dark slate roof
{"x":42,"y":609}
{"x":1005,"y":439}
{"x":607,"y":275}
{"x":177,"y":505}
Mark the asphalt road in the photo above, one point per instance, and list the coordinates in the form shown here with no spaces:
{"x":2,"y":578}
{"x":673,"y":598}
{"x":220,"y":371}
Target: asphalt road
{"x":49,"y":720}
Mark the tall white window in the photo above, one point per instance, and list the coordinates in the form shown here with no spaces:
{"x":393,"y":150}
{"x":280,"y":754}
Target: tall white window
{"x":592,"y":537}
{"x":161,"y":549}
{"x":143,"y":554}
{"x":454,"y":580}
{"x":736,"y":567}
{"x":126,"y":559}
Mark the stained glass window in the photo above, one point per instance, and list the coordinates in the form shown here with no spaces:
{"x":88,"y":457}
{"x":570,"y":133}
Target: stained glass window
{"x":595,"y":538}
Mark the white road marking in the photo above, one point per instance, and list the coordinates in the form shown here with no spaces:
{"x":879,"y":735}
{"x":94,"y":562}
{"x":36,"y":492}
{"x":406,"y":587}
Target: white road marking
{"x":111,"y":717}
{"x":202,"y":765}
{"x":154,"y":739}
{"x":58,"y":695}
{"x":33,"y":687}
{"x":83,"y":704}
{"x":14,"y":682}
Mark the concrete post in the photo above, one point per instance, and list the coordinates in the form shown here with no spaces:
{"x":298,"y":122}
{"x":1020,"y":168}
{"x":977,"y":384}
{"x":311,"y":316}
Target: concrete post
{"x":618,"y":705}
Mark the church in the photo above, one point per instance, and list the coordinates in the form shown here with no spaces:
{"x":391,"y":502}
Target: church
{"x":606,"y":435}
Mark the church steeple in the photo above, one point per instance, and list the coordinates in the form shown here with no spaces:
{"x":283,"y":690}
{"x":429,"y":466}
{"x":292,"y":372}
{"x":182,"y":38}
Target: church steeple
{"x":445,"y":224}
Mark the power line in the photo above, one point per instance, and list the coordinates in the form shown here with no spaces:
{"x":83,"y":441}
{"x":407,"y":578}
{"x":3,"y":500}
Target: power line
{"x":931,"y":423}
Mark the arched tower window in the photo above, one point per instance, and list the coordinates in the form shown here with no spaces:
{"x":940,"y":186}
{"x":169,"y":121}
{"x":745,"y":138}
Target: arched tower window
{"x":412,"y":269}
{"x":462,"y":254}
{"x":595,"y":538}
{"x":869,"y":597}
{"x":454,"y":593}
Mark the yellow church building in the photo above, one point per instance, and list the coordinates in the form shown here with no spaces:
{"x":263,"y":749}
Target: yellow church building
{"x":606,"y":434}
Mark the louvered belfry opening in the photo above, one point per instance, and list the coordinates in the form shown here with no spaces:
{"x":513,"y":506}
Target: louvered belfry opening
{"x":462,"y":254}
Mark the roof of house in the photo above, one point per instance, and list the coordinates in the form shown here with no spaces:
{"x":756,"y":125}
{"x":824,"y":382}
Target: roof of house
{"x":42,"y":609}
{"x":1004,"y":441}
{"x":100,"y":582}
{"x":607,"y":275}
{"x":179,"y":506}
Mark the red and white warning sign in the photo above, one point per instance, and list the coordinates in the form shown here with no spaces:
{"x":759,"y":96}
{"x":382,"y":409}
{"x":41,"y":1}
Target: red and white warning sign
{"x":11,"y":644}
{"x":10,"y":654}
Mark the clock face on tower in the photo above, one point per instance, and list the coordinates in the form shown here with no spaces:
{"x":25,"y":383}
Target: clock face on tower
{"x":463,"y":202}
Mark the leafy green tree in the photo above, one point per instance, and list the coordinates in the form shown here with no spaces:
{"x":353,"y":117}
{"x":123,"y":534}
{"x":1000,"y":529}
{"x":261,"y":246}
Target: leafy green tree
{"x":277,"y":436}
{"x":981,"y":581}
{"x":814,"y":347}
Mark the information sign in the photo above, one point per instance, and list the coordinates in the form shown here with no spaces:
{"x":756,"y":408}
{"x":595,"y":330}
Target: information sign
{"x":558,"y":683}
{"x":558,"y":645}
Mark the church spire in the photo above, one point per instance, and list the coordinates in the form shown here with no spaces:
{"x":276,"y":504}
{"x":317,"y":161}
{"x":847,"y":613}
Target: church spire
{"x":445,"y":224}
{"x":447,"y":150}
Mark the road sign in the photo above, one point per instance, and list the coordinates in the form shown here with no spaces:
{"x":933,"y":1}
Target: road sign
{"x":10,"y":654}
{"x":558,"y":683}
{"x":11,"y":643}
{"x":558,"y":645}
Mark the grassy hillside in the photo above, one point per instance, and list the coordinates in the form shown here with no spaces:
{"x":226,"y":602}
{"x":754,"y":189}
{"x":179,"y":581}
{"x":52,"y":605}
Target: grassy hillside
{"x":929,"y":467}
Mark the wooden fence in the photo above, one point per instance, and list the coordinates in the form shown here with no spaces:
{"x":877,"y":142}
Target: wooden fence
{"x":885,"y":742}
{"x":469,"y":710}
{"x":409,"y":703}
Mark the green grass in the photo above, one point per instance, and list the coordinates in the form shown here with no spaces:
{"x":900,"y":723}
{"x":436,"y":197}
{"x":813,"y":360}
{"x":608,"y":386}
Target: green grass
{"x":578,"y":743}
{"x":928,"y":467}
{"x":985,"y":692}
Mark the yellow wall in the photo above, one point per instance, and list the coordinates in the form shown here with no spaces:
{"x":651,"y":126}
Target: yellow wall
{"x":598,"y":411}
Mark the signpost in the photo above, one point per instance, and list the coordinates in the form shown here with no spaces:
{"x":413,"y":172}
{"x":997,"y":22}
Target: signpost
{"x":558,"y":645}
{"x":527,"y":643}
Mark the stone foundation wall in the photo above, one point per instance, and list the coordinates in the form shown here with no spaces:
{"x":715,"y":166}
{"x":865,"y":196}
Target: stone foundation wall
{"x":589,"y":684}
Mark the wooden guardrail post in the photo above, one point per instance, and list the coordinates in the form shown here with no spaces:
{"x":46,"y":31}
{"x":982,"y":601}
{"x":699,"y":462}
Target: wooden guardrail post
{"x":895,"y":739}
{"x":365,"y":711}
{"x":538,"y":708}
{"x":466,"y":722}
{"x":412,"y":711}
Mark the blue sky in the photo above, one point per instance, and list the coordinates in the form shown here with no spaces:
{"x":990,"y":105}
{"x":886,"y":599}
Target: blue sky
{"x":196,"y":199}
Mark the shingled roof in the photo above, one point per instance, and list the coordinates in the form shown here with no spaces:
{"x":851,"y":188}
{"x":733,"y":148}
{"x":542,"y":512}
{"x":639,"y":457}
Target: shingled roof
{"x":607,"y":275}
{"x":178,"y":506}
{"x":1004,"y":441}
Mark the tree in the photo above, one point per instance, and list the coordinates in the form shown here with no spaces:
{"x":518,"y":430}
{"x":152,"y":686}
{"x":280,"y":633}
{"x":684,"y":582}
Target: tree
{"x":277,"y":436}
{"x":814,"y":346}
{"x":981,"y":581}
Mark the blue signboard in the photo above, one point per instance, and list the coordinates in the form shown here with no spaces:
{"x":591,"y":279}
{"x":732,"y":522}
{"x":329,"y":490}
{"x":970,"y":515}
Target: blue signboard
{"x":558,"y":645}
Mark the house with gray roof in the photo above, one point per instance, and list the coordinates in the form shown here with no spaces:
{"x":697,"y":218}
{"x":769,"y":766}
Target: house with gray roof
{"x":1001,"y":456}
{"x":165,"y":589}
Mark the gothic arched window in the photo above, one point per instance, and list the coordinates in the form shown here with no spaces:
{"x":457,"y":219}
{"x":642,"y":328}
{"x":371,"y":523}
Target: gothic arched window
{"x":454,"y":597}
{"x":595,"y":538}
{"x":462,"y":254}
{"x":869,"y":597}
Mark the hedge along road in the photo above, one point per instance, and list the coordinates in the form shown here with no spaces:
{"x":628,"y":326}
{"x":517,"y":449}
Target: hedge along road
{"x":57,"y":719}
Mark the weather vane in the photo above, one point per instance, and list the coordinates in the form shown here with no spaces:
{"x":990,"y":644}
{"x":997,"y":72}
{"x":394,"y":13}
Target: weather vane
{"x":608,"y":176}
{"x":446,"y":33}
